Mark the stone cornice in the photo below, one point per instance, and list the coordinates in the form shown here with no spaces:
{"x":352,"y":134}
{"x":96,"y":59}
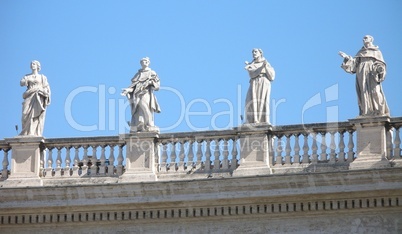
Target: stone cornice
{"x":203,"y":191}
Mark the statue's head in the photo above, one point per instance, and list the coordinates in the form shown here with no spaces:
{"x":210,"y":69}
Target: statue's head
{"x":257,"y":53}
{"x":367,"y":40}
{"x":35,"y":65}
{"x":145,"y":62}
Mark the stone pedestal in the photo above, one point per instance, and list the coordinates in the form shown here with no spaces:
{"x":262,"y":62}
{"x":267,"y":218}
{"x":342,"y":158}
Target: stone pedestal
{"x":25,"y":161}
{"x":254,"y":150}
{"x":371,"y":142}
{"x":140,"y":157}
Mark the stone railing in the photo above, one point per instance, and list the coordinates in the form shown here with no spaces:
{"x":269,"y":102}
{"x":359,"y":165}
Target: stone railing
{"x":4,"y":159}
{"x":198,"y":152}
{"x":311,"y":145}
{"x":244,"y":151}
{"x":393,"y":138}
{"x":75,"y":157}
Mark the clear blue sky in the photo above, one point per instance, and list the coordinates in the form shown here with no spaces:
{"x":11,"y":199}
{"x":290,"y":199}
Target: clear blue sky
{"x":89,"y":50}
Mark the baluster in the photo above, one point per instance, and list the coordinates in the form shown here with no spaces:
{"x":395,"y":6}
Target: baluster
{"x":76,"y":166}
{"x":4,"y":172}
{"x":102,"y":160}
{"x":181,"y":166}
{"x":157,"y":157}
{"x":67,"y":171}
{"x":49,"y":169}
{"x":305,"y":149}
{"x":397,"y":144}
{"x":173,"y":156}
{"x":341,"y":146}
{"x":314,"y":148}
{"x":119,"y":168}
{"x":84,"y":167}
{"x":350,"y":147}
{"x":332,"y":146}
{"x":163,"y":166}
{"x":388,"y":144}
{"x":225,"y":153}
{"x":271,"y":151}
{"x":323,"y":155}
{"x":217,"y":153}
{"x":110,"y":166}
{"x":233,"y":163}
{"x":42,"y":162}
{"x":279,"y":150}
{"x":296,"y":147}
{"x":190,"y":164}
{"x":58,"y":172}
{"x":199,"y":154}
{"x":288,"y":149}
{"x":208,"y":156}
{"x":94,"y":161}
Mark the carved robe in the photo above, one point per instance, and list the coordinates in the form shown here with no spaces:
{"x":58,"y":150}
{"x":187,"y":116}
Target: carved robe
{"x":142,"y":99}
{"x":258,"y":95}
{"x":36,"y":99}
{"x":370,"y":70}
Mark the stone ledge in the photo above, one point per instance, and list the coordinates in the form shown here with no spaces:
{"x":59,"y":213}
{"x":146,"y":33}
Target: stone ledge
{"x":203,"y":189}
{"x":299,"y":207}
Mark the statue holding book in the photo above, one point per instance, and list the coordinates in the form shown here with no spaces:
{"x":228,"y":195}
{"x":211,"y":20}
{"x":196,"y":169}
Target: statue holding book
{"x":143,"y":101}
{"x":370,"y":69}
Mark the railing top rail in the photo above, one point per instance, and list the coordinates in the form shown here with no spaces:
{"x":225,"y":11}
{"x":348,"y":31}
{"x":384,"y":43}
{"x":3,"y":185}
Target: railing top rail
{"x":217,"y":134}
{"x":297,"y":128}
{"x":4,"y":145}
{"x":314,"y":127}
{"x":396,"y":122}
{"x":100,"y":140}
{"x":213,"y":134}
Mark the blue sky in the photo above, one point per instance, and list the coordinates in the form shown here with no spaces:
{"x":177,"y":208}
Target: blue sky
{"x":89,"y":50}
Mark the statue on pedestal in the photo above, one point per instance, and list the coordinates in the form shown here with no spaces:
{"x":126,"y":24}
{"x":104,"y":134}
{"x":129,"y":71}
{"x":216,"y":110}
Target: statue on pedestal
{"x":258,"y":96}
{"x":370,"y":69}
{"x":36,"y":99}
{"x":142,"y":99}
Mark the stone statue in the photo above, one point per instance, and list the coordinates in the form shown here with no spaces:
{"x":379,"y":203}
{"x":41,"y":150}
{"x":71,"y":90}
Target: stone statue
{"x":36,"y":99}
{"x":258,"y":96}
{"x":142,"y":99}
{"x":370,"y":69}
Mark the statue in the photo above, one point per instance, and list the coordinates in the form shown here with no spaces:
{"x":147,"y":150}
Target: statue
{"x":258,"y":96}
{"x":36,"y":99}
{"x":370,"y":69}
{"x":142,"y":99}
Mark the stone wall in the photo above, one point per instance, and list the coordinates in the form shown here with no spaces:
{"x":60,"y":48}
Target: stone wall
{"x":343,"y":202}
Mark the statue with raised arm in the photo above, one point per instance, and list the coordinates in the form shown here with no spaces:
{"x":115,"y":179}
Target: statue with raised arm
{"x":36,"y":99}
{"x":258,"y":96}
{"x":370,"y":69}
{"x":142,"y":99}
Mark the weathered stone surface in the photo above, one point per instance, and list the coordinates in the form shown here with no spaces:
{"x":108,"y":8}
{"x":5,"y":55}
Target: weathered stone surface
{"x":364,"y":200}
{"x":371,"y":142}
{"x":25,"y":161}
{"x":140,"y":157}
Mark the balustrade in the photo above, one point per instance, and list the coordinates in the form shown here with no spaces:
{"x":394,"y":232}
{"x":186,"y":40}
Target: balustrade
{"x":56,"y":157}
{"x":321,"y":143}
{"x":393,"y":138}
{"x":4,"y":159}
{"x":293,"y":147}
{"x":198,"y":152}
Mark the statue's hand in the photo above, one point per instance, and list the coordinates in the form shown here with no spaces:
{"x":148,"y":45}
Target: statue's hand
{"x":343,"y":55}
{"x":124,"y":92}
